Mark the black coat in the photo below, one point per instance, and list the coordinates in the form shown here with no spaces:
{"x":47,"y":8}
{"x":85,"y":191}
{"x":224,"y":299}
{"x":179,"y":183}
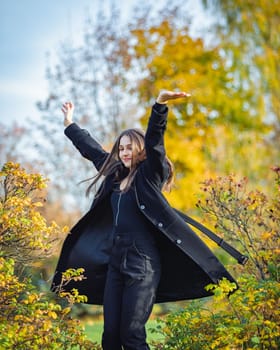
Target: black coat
{"x":188,"y":265}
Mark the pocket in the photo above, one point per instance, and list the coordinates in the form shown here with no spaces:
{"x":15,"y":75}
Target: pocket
{"x":142,"y":250}
{"x":133,"y":264}
{"x":147,"y":249}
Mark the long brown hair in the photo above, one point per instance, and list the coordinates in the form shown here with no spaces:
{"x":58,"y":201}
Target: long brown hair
{"x":113,"y":164}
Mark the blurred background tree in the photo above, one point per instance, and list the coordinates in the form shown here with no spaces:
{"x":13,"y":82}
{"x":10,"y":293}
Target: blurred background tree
{"x":229,"y":125}
{"x":214,"y":131}
{"x":247,"y":32}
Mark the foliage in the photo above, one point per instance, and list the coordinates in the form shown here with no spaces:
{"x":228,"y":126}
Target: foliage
{"x":28,"y":320}
{"x":117,"y":72}
{"x":250,"y":317}
{"x":254,"y":56}
{"x":25,"y":235}
{"x":260,"y":20}
{"x":216,"y":129}
{"x":246,"y":218}
{"x":113,"y":77}
{"x":28,"y":317}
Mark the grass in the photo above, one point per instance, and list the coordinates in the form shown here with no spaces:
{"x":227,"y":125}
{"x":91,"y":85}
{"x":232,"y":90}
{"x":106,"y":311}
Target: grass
{"x":94,"y":330}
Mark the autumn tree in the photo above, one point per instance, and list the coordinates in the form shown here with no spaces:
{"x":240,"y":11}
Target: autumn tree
{"x":247,"y":31}
{"x":258,"y":50}
{"x":219,"y":128}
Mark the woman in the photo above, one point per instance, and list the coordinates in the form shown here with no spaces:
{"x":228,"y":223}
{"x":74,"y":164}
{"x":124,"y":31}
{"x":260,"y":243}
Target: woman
{"x":136,"y":250}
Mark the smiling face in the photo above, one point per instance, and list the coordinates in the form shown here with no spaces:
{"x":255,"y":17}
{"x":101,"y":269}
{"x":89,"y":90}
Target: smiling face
{"x":125,"y":151}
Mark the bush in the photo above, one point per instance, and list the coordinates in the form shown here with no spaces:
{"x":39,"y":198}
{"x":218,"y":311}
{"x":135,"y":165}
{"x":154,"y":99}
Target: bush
{"x":28,"y":317}
{"x":250,"y":317}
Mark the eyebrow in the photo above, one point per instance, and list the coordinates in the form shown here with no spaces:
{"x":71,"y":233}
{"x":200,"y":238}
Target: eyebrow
{"x":127,"y":144}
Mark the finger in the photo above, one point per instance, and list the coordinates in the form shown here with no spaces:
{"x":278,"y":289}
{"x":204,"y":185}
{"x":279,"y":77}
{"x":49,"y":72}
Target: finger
{"x":182,"y":94}
{"x":65,"y":110}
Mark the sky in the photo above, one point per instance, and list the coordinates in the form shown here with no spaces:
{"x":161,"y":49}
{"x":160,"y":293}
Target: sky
{"x":30,"y":30}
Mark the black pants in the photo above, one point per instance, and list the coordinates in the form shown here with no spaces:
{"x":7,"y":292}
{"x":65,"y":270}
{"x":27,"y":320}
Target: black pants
{"x":132,"y":280}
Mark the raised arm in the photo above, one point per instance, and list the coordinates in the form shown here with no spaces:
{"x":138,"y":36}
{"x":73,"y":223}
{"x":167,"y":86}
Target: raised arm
{"x":156,"y":166}
{"x":82,"y":140}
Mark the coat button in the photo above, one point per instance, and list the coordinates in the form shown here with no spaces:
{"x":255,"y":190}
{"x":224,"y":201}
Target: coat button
{"x":142,"y":206}
{"x":178,"y":241}
{"x":160,"y":224}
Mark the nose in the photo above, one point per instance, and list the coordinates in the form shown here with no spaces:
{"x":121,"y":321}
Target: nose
{"x":125,"y":152}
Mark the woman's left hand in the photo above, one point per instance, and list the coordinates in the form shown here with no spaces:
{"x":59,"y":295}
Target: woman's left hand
{"x":164,"y":96}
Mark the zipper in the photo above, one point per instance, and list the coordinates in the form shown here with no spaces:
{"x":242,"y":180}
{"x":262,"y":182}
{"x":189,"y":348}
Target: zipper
{"x":118,"y":209}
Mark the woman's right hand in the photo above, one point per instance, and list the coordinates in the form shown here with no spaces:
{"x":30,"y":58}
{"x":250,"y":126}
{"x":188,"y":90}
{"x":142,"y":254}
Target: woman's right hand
{"x":68,"y":109}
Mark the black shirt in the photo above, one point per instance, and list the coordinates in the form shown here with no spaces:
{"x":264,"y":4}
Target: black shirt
{"x":127,"y":215}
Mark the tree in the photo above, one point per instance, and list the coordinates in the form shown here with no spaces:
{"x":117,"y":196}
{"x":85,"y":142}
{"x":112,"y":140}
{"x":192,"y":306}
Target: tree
{"x":11,"y":139}
{"x":221,"y":129}
{"x":248,"y":33}
{"x":215,"y":130}
{"x":94,"y":77}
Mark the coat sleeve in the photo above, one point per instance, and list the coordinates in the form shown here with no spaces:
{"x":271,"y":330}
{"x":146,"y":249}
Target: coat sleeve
{"x":155,"y":164}
{"x":86,"y":144}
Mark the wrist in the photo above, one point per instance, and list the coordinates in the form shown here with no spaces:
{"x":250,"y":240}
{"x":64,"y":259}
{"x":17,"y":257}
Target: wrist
{"x":67,"y":123}
{"x":161,"y":102}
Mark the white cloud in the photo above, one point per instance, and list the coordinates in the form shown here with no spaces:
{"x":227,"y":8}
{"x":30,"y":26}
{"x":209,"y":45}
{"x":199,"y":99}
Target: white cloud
{"x":23,"y":89}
